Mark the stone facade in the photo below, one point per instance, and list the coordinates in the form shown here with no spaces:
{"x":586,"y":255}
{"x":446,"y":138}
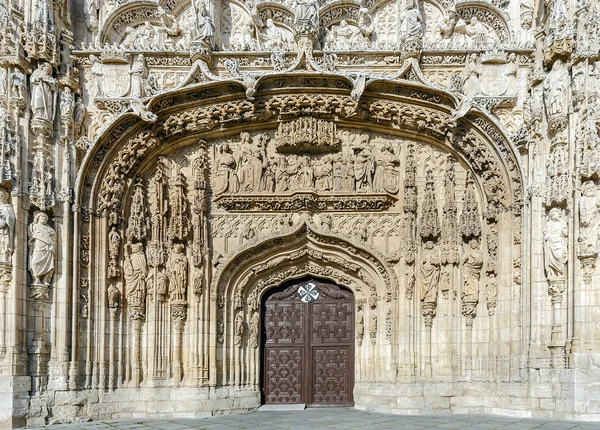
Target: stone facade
{"x":166,"y":163}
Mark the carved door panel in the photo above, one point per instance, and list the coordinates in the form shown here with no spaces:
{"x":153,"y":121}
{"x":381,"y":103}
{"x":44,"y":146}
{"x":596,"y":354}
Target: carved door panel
{"x":308,"y":345}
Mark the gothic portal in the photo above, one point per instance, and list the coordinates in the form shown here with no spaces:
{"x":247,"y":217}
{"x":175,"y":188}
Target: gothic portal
{"x":180,"y":179}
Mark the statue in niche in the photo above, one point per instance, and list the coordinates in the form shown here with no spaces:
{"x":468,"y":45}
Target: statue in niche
{"x":556,"y":86}
{"x":205,"y":29}
{"x":306,"y":173}
{"x":145,"y":37}
{"x":250,"y":169}
{"x":589,"y":220}
{"x":17,"y":84}
{"x":306,"y":13}
{"x":342,"y":36}
{"x":430,"y":273}
{"x":323,"y":169}
{"x":273,"y":37}
{"x":3,"y":76}
{"x":7,"y":227}
{"x":268,"y":180}
{"x":226,"y":180}
{"x":169,"y":27}
{"x":511,"y":69}
{"x":131,"y":38}
{"x":42,"y":247}
{"x":281,"y":174}
{"x":472,"y":263}
{"x":471,"y":74}
{"x":478,"y":32}
{"x":363,"y":165}
{"x":135,"y":270}
{"x":293,"y":168}
{"x":386,"y":177}
{"x":97,"y":76}
{"x":338,"y":172}
{"x":411,"y":26}
{"x":66,"y":103}
{"x":113,"y":296}
{"x":366,"y":25}
{"x":239,"y":329}
{"x":177,"y":271}
{"x":254,"y":329}
{"x":114,"y":243}
{"x":555,"y":245}
{"x":348,"y":172}
{"x":43,"y":92}
{"x":139,"y":73}
{"x":360,"y":327}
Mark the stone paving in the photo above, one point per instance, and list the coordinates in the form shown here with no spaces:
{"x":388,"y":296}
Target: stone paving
{"x":332,"y":418}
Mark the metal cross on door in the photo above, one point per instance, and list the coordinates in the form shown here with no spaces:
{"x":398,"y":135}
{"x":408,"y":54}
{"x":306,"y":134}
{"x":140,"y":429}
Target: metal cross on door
{"x":308,"y":335}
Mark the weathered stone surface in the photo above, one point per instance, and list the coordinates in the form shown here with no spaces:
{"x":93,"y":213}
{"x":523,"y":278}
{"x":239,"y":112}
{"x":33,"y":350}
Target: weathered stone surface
{"x":165,"y":166}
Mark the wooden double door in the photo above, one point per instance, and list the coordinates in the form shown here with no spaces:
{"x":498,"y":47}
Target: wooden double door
{"x":308,"y":345}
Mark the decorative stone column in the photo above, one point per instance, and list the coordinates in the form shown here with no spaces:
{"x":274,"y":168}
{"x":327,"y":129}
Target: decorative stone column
{"x":179,"y":316}
{"x":37,"y":350}
{"x":556,"y":290}
{"x":5,"y":278}
{"x":428,"y":313}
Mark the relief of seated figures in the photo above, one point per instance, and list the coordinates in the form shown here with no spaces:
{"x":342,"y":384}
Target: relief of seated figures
{"x":345,"y":37}
{"x":255,"y":165}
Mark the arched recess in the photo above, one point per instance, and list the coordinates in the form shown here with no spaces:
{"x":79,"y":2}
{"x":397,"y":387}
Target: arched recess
{"x":407,"y":107}
{"x":240,"y":284}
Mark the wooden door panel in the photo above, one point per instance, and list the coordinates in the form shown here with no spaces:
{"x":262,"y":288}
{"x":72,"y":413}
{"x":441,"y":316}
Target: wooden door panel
{"x":332,"y":323}
{"x":285,"y":323}
{"x":332,"y":376}
{"x":284,"y":376}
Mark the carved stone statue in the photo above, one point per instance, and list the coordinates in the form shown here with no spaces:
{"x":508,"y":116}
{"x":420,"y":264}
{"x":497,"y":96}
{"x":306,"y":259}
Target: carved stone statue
{"x":135,"y":270}
{"x":555,"y":245}
{"x":471,"y":74}
{"x":226,"y":180}
{"x":97,"y":76}
{"x":238,"y":336}
{"x":430,"y":273}
{"x":17,"y":84}
{"x":138,"y":73}
{"x":177,"y":271}
{"x":363,"y":165}
{"x":556,"y":87}
{"x":66,"y":103}
{"x":306,"y":14}
{"x":412,"y":22}
{"x":7,"y":228}
{"x":589,"y":220}
{"x":43,"y":93}
{"x":42,"y":243}
{"x":386,"y":177}
{"x":251,"y":163}
{"x":114,"y":296}
{"x":273,"y":36}
{"x":205,"y":28}
{"x":478,"y":32}
{"x":472,"y":263}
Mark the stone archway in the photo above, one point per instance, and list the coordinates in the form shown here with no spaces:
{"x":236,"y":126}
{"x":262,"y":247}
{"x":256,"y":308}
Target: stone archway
{"x":241,"y":235}
{"x":308,"y":340}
